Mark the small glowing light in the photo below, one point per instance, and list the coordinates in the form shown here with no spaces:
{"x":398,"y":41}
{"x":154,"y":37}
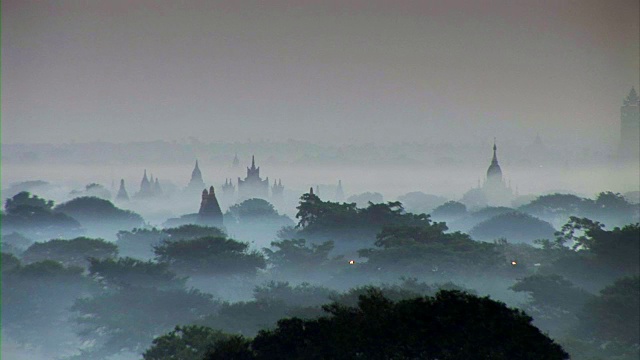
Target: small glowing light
{"x":514,"y":263}
{"x":352,"y":262}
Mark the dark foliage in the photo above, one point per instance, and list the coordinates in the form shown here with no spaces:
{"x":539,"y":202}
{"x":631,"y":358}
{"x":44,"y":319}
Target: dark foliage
{"x":296,"y":255}
{"x":126,"y":272}
{"x":555,"y":301}
{"x":513,"y":226}
{"x":36,"y":298}
{"x":451,"y":325}
{"x":210,"y":255}
{"x":26,"y":199}
{"x":609,"y":207}
{"x":428,"y":248}
{"x":191,"y":342}
{"x":128,"y":319}
{"x":99,"y":215}
{"x":252,"y":210}
{"x":328,"y":220}
{"x":74,"y":252}
{"x":34,"y":217}
{"x":192,"y":231}
{"x":448,"y":211}
{"x":614,"y":315}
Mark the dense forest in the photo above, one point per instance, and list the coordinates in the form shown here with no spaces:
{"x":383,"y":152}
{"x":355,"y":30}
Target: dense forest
{"x":554,"y":278}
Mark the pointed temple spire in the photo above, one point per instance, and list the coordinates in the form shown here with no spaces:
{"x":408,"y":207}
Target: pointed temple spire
{"x":122,"y":192}
{"x":210,"y":213}
{"x":495,"y":157}
{"x":632,"y":98}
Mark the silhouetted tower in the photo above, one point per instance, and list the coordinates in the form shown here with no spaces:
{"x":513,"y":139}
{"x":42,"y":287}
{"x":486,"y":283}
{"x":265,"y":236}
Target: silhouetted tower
{"x":236,"y":161}
{"x":277,"y":190}
{"x":210,"y":213}
{"x":196,"y":182}
{"x":145,"y":187}
{"x":228,"y":192}
{"x":494,"y":173}
{"x":253,"y":186}
{"x":339,"y":192}
{"x":630,"y":126}
{"x":122,"y":192}
{"x":157,"y":190}
{"x":495,"y":189}
{"x":228,"y":189}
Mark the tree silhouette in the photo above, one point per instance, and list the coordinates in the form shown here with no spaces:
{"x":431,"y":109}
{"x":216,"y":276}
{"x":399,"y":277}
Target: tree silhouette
{"x":451,"y":325}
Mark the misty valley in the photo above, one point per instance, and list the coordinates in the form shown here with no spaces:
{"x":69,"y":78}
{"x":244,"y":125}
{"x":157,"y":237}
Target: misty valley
{"x":319,"y":180}
{"x":247,"y":270}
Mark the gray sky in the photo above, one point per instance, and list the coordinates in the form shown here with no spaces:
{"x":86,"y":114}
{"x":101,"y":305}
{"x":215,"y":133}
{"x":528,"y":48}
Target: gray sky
{"x":327,"y":71}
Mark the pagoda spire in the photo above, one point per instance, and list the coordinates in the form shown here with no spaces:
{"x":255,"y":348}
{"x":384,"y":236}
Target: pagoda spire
{"x":495,"y":148}
{"x":632,"y":98}
{"x":122,"y":192}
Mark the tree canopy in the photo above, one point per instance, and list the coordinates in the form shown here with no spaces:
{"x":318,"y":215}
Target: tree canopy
{"x":125,"y":272}
{"x":296,"y":255}
{"x":94,"y":211}
{"x":513,"y":226}
{"x":210,"y":255}
{"x":451,"y":325}
{"x":74,"y":252}
{"x":191,"y":342}
{"x":130,"y":317}
{"x":34,"y":217}
{"x":614,"y":315}
{"x":427,"y":248}
{"x":327,"y":220}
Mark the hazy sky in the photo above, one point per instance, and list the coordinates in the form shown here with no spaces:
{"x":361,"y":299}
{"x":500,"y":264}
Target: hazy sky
{"x":328,"y":71}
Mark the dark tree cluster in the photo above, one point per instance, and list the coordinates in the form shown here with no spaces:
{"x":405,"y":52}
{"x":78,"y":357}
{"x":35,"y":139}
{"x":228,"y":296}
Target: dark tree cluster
{"x":451,"y":325}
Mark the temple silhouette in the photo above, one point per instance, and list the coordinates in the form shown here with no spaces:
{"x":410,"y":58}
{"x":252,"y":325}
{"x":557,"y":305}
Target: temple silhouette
{"x":122,"y":192}
{"x":196,"y":183}
{"x":149,"y":187}
{"x":494,"y":191}
{"x":253,"y":186}
{"x":210,"y":213}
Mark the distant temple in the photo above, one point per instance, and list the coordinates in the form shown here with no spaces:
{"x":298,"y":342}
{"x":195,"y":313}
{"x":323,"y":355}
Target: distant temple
{"x":277,"y":191}
{"x":228,"y":193}
{"x":236,"y":161}
{"x":155,"y":188}
{"x":253,"y":186}
{"x":228,"y":189}
{"x":145,"y":188}
{"x":210,"y":213}
{"x":196,"y":183}
{"x":122,"y":192}
{"x":148,"y":187}
{"x":495,"y":189}
{"x":630,"y":126}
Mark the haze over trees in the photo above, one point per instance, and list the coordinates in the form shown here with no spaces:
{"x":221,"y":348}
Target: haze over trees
{"x":386,"y":179}
{"x":378,"y":267}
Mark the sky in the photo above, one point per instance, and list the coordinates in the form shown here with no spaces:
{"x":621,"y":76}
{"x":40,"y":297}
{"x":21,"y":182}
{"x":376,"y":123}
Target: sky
{"x":333,"y":72}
